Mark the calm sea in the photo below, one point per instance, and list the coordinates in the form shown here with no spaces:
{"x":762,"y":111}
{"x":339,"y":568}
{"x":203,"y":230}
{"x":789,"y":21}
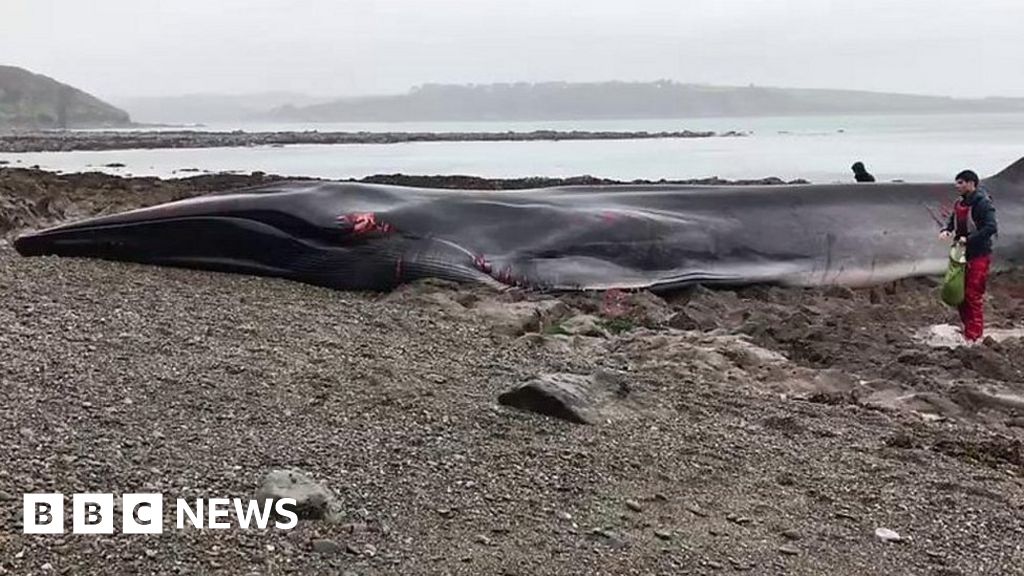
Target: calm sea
{"x":816,"y":148}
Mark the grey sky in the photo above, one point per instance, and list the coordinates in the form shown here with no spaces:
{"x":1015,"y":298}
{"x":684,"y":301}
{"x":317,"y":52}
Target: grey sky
{"x":340,"y":47}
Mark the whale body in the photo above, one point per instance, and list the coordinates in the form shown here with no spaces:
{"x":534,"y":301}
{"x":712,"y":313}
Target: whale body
{"x":659,"y":237}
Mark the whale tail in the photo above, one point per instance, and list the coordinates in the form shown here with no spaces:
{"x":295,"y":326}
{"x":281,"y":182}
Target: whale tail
{"x":1012,"y":173}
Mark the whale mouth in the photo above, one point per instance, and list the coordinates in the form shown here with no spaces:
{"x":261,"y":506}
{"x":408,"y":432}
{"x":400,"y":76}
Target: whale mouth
{"x":361,"y":252}
{"x":149,"y":238}
{"x":206,"y":242}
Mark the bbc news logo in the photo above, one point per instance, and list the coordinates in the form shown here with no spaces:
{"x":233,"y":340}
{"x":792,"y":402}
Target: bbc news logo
{"x":143,"y":513}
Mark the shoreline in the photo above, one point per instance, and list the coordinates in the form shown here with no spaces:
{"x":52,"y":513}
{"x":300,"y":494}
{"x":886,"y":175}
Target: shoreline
{"x":114,"y":140}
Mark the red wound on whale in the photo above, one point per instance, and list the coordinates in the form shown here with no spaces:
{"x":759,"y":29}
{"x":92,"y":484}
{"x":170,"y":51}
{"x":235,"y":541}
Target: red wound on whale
{"x":364,"y":223}
{"x":482,"y":264}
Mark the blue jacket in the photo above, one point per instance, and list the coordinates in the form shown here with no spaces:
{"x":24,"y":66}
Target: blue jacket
{"x":981,"y":226}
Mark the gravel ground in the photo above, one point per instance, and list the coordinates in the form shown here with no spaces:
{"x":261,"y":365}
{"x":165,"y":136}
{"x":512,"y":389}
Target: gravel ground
{"x":750,"y":438}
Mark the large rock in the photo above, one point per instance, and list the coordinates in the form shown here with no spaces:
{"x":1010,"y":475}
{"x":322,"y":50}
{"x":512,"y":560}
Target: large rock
{"x":312,"y":500}
{"x":571,"y":397}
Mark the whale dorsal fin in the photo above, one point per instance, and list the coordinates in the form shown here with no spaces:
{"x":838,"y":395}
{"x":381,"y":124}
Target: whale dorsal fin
{"x":1012,"y":173}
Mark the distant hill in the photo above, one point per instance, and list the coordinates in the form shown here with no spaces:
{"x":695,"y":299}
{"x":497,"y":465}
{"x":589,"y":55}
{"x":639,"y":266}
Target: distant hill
{"x":30,"y":100}
{"x":615,"y":100}
{"x":204,"y":108}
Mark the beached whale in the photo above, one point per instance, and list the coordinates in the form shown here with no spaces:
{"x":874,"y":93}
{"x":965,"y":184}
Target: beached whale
{"x":658,"y":237}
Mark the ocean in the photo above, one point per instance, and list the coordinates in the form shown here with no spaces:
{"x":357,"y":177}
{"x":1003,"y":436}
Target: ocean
{"x":912,"y":148}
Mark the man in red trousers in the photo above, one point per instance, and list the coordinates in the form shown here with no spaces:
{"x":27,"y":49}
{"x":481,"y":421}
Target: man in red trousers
{"x":973,"y":223}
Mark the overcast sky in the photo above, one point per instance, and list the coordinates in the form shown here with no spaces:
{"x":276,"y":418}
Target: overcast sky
{"x":117,"y":48}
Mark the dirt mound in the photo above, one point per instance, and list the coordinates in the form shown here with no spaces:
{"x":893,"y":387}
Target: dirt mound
{"x":867,"y":347}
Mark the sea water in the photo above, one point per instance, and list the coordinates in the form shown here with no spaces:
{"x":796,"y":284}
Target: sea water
{"x":912,"y":148}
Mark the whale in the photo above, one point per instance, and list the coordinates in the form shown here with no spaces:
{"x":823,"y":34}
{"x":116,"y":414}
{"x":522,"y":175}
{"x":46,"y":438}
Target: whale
{"x":355,"y":236}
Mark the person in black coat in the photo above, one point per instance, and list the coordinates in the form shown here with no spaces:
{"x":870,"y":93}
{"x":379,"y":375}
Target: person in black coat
{"x":861,"y":173}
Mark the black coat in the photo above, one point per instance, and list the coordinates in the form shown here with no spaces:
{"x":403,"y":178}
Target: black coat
{"x":981,"y":226}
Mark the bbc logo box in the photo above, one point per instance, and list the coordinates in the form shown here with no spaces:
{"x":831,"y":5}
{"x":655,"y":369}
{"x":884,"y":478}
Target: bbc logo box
{"x":143,"y":513}
{"x":93,"y":513}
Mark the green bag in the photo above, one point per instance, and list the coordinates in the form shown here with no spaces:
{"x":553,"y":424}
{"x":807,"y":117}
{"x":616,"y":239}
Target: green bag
{"x":953,"y":283}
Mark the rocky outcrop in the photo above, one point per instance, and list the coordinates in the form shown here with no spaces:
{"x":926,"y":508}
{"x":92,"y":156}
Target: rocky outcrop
{"x":65,"y":142}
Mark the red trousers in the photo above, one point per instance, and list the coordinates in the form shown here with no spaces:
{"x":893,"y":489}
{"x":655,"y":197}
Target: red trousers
{"x":972,"y":310}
